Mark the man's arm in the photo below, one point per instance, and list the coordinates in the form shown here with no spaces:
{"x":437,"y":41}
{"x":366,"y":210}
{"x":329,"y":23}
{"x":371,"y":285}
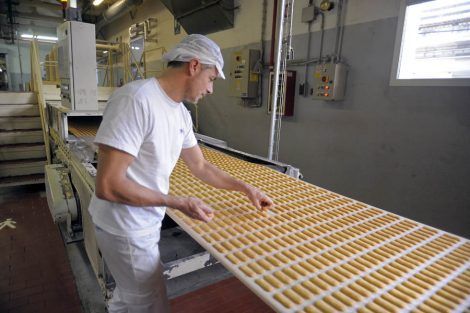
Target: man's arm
{"x":112,"y":184}
{"x":214,"y":176}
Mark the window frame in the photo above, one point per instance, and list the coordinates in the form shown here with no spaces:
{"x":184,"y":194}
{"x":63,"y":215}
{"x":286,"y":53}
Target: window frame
{"x":394,"y":81}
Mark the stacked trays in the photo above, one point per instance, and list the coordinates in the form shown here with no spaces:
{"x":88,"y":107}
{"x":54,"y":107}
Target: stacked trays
{"x":320,"y":251}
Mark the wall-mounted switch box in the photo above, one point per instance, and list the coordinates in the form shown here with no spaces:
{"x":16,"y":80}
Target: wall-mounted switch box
{"x":309,"y":14}
{"x":329,"y":81}
{"x":244,"y":77}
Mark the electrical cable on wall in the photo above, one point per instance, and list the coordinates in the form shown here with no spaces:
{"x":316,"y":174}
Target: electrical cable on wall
{"x":329,"y":75}
{"x":261,"y":61}
{"x":322,"y":34}
{"x":339,"y":30}
{"x":305,"y":85}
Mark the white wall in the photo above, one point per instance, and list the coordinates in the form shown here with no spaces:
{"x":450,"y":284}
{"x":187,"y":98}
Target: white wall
{"x":248,"y":21}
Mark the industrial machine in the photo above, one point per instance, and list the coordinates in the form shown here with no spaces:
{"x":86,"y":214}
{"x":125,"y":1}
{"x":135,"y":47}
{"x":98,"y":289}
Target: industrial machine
{"x":77,"y":70}
{"x":315,"y":251}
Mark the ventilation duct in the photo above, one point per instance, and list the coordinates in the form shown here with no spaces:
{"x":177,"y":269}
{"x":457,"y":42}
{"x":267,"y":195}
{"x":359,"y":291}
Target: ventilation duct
{"x":202,"y":16}
{"x":115,"y":11}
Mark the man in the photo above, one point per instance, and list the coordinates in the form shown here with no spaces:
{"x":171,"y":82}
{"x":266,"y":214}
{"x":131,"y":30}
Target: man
{"x":145,"y":129}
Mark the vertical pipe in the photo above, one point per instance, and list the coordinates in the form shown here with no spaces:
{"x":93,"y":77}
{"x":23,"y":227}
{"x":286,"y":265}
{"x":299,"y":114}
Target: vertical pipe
{"x":11,"y":21}
{"x":110,"y":67}
{"x":343,"y":17}
{"x":273,"y":33}
{"x":290,"y":53}
{"x":262,"y":58}
{"x":21,"y":64}
{"x":276,"y":79}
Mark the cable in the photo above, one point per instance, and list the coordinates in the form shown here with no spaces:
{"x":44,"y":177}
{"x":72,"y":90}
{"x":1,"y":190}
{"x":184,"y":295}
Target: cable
{"x":305,"y":93}
{"x":322,"y":34}
{"x":343,"y":17}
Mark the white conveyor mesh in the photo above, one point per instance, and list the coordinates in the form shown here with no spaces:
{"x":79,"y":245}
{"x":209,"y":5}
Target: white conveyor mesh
{"x":320,"y":251}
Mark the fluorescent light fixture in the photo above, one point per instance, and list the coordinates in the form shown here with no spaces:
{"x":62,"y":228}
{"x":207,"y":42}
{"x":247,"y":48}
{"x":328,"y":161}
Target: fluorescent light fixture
{"x":50,"y":38}
{"x":39,"y":37}
{"x":97,"y":2}
{"x":106,"y":51}
{"x":135,"y":48}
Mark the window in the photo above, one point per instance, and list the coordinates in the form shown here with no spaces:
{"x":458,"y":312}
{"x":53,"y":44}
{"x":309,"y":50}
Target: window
{"x":432,"y":46}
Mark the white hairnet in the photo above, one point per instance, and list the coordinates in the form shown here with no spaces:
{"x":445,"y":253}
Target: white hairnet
{"x":197,"y":47}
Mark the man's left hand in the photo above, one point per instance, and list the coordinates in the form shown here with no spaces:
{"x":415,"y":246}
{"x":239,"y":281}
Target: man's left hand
{"x":258,"y":198}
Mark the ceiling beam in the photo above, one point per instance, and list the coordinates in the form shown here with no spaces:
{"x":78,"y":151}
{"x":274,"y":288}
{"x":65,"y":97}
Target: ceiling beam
{"x":36,"y":17}
{"x":39,"y":4}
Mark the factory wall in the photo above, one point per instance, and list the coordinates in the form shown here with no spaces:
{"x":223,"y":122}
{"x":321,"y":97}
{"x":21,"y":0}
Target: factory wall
{"x":403,"y":149}
{"x":13,"y":61}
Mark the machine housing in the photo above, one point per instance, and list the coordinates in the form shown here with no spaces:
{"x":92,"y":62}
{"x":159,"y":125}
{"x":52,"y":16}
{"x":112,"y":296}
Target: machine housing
{"x":78,"y":84}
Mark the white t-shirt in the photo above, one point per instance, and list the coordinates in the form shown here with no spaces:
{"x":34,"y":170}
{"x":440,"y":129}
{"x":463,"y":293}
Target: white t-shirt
{"x":142,"y":120}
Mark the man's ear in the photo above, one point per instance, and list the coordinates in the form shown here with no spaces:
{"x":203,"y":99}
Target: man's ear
{"x":194,"y":66}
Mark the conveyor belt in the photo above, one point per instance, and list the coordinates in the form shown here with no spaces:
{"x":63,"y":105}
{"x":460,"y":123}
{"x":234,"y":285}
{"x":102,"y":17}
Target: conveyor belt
{"x":83,"y":128}
{"x":320,"y":251}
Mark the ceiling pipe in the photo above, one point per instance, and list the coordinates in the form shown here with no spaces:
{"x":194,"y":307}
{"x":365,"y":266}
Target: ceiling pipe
{"x":40,"y":4}
{"x":115,"y":11}
{"x":100,"y":46}
{"x":38,"y":17}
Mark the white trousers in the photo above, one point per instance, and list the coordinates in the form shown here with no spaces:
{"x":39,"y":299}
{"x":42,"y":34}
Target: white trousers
{"x":135,"y":265}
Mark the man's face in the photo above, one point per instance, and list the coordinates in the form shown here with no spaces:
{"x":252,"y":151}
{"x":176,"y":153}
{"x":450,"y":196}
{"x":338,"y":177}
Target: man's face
{"x":201,"y":82}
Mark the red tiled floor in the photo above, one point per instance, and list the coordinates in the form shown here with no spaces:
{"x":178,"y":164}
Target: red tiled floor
{"x":227,"y":296}
{"x":35,"y":275}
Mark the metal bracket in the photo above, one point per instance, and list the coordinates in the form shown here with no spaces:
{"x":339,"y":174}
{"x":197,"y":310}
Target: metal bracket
{"x":189,"y":264}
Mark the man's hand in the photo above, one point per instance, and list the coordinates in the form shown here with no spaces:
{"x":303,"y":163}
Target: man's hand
{"x":194,"y":208}
{"x":258,"y":198}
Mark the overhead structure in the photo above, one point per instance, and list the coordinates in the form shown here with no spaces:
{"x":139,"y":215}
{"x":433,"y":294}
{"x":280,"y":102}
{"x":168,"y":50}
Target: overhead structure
{"x":116,"y":10}
{"x":202,"y":17}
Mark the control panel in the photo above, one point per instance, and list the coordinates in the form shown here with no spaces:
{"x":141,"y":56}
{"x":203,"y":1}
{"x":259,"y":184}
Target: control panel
{"x":329,"y":81}
{"x":244,"y":77}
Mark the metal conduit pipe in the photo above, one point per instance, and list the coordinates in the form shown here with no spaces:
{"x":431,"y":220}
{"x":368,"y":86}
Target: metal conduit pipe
{"x":100,"y":46}
{"x":277,"y":65}
{"x":273,"y":33}
{"x":115,"y":11}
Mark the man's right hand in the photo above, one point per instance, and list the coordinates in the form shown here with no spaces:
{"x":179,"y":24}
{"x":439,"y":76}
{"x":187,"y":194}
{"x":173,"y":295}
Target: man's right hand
{"x":195,"y":208}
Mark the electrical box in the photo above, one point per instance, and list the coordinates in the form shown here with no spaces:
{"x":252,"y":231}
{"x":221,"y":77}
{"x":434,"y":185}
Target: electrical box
{"x":329,"y":81}
{"x":244,"y":76}
{"x":286,"y":103}
{"x":308,"y":14}
{"x":77,"y":66}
